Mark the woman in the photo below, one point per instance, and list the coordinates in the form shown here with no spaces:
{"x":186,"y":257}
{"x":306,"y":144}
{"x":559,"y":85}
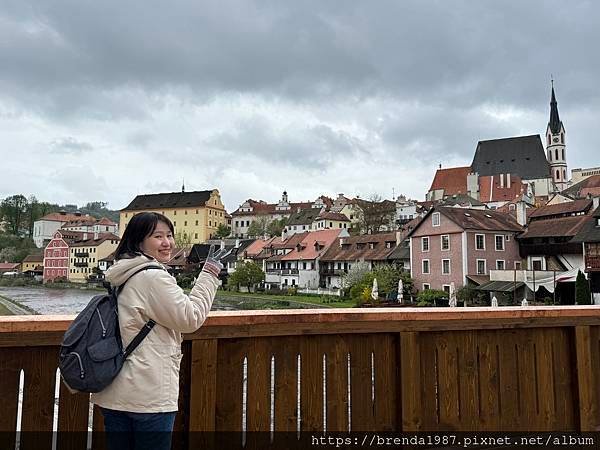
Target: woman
{"x":140,"y":405}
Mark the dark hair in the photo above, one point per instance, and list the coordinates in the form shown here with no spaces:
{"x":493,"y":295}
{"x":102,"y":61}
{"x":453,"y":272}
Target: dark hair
{"x":139,"y":227}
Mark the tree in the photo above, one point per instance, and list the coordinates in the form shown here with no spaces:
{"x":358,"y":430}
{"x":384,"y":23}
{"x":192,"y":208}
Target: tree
{"x":276,"y":226}
{"x":375,"y":215}
{"x":582,"y":290}
{"x":222,"y":231}
{"x":13,"y":211}
{"x":247,"y":274}
{"x":259,"y":226}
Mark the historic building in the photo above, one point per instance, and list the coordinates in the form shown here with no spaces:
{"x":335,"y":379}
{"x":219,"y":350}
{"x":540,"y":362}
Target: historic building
{"x":195,"y":215}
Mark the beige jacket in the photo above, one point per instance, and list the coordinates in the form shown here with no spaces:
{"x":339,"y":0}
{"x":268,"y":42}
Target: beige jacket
{"x":149,"y":380}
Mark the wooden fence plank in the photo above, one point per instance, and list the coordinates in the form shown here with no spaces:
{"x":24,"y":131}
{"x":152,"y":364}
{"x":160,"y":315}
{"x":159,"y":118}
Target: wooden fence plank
{"x":509,"y":378}
{"x":410,"y":382}
{"x":430,"y":384}
{"x":489,"y":398}
{"x":38,"y":397}
{"x":311,"y":384}
{"x":586,"y":343}
{"x":98,"y":434}
{"x":337,"y":383}
{"x":564,"y":380}
{"x":361,"y":388}
{"x":259,"y":392}
{"x":286,"y":351}
{"x":528,"y":388}
{"x":10,"y":370}
{"x":73,"y":414}
{"x":387,"y":398}
{"x":468,"y":381}
{"x":203,"y":386}
{"x":448,"y":381}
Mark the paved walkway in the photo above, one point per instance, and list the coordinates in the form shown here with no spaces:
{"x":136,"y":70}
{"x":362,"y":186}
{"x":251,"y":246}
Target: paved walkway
{"x":13,"y":308}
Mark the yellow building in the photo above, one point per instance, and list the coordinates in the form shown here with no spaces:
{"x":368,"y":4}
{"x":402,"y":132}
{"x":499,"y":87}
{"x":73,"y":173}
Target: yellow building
{"x":84,"y":255}
{"x":330,"y":220}
{"x":195,"y":215}
{"x":33,"y":262}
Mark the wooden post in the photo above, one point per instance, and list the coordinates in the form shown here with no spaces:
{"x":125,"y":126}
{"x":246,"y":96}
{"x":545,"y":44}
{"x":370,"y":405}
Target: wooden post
{"x":586,"y":342}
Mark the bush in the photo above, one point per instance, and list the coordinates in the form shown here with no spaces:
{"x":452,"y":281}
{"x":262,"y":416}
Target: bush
{"x":428,"y":296}
{"x":582,"y":290}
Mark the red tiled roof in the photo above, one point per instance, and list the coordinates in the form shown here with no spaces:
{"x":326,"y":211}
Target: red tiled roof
{"x":573,"y":207}
{"x":452,"y":180}
{"x":490,"y":190}
{"x":306,"y":250}
{"x":8,"y":266}
{"x":355,"y":248}
{"x":477,"y":219}
{"x":105,"y":221}
{"x":66,"y":217}
{"x":257,"y":246}
{"x":590,"y":185}
{"x":36,"y":257}
{"x":561,"y":226}
{"x":261,"y":207}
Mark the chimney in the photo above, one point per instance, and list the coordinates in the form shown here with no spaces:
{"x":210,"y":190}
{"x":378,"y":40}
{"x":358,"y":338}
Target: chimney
{"x":595,"y":202}
{"x":521,"y":213}
{"x":473,"y":185}
{"x":508,"y":180}
{"x":283,"y":234}
{"x":222,"y":246}
{"x":237,"y":243}
{"x":342,"y":241}
{"x":398,"y":236}
{"x":501,"y":180}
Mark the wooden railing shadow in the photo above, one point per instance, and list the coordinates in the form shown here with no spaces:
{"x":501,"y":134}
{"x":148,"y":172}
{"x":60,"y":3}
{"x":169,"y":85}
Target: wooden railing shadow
{"x":439,"y":369}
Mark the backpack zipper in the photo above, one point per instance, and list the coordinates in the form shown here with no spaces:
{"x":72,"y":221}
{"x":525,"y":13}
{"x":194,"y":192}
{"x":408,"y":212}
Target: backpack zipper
{"x":81,"y":371}
{"x":101,"y":324}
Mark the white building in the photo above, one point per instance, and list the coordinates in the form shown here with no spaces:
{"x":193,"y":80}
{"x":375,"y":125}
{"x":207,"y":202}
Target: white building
{"x":44,"y":228}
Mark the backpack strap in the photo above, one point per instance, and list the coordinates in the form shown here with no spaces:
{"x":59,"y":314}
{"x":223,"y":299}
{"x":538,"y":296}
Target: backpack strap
{"x":147,"y":326}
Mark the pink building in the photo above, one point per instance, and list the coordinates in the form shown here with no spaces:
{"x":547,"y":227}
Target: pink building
{"x":450,"y":244}
{"x":56,"y":258}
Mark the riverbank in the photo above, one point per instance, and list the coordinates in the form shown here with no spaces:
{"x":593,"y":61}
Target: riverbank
{"x":320,"y":301}
{"x":9,"y":307}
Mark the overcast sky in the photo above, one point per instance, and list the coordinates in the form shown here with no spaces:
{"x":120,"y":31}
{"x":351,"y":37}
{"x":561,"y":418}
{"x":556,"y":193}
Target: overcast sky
{"x":104,"y":100}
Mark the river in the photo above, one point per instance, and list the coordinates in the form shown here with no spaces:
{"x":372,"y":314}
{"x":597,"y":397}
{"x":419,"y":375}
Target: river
{"x":71,"y":301}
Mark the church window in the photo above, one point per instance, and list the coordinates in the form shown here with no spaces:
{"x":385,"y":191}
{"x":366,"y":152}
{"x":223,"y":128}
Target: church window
{"x":556,"y":154}
{"x":549,"y":155}
{"x":557,"y":175}
{"x":563,"y":154}
{"x":562,"y":138}
{"x":548,"y":139}
{"x":564,"y":174}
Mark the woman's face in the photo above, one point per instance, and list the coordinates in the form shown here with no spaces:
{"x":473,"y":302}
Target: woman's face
{"x":159,"y":243}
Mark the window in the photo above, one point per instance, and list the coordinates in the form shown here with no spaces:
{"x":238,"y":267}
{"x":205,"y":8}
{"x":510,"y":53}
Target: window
{"x":445,"y":266}
{"x":499,"y":242}
{"x":481,"y":267}
{"x":426,"y":286}
{"x":424,"y":244}
{"x":445,"y":242}
{"x":185,"y":223}
{"x":446,"y":288}
{"x":425,"y":268}
{"x":435,"y":219}
{"x":500,"y":264}
{"x":517,"y":265}
{"x":174,"y":213}
{"x":480,"y":242}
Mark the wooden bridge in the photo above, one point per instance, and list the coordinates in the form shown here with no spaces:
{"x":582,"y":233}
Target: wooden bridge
{"x":425,"y":369}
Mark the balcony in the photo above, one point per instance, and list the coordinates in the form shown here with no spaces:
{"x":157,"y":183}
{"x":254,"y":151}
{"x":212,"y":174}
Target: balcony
{"x":333,"y":272}
{"x":289,"y":271}
{"x":80,"y":264}
{"x":273,"y":271}
{"x":592,"y":263}
{"x":81,"y":254}
{"x":564,"y":248}
{"x":434,"y":369}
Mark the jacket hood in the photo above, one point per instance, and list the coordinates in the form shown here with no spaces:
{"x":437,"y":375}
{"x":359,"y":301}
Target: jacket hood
{"x":118,"y":273}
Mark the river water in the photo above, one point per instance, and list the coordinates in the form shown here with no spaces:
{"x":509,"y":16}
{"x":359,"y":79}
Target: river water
{"x":71,"y":301}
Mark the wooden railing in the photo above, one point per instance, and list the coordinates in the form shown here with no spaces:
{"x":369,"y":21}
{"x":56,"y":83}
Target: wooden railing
{"x":434,"y":369}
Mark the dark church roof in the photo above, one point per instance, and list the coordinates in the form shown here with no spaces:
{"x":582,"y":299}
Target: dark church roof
{"x":523,"y":156}
{"x":169,"y":200}
{"x":555,"y":124}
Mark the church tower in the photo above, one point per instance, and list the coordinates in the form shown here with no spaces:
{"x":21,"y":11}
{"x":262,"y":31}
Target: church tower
{"x":555,"y":146}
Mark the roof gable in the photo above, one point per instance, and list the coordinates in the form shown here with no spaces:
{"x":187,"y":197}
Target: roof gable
{"x":452,"y":180}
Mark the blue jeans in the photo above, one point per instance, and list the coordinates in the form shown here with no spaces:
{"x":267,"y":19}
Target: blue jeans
{"x":138,"y":431}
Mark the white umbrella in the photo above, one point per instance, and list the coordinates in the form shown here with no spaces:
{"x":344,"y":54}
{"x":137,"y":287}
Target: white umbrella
{"x":400,"y":291}
{"x":374,"y":290}
{"x":494,"y":302}
{"x":452,"y":296}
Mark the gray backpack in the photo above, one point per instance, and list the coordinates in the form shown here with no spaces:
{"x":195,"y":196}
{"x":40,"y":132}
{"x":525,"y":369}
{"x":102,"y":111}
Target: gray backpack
{"x":91,"y":353}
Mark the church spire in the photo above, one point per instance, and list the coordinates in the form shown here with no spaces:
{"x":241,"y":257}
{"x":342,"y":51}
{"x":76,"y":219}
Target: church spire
{"x":554,"y":122}
{"x":183,"y":185}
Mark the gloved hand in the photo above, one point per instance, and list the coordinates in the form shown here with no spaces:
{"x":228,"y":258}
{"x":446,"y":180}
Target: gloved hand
{"x":212,"y":264}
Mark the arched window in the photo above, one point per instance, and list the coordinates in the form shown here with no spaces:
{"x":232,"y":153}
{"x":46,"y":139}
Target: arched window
{"x":562,"y":138}
{"x":548,"y":139}
{"x":549,"y":155}
{"x":563,"y":154}
{"x":557,"y":174}
{"x":564,"y":174}
{"x":556,"y":154}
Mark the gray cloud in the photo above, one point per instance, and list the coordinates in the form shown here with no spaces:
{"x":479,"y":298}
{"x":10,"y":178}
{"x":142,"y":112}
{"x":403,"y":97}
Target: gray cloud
{"x":215,"y":89}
